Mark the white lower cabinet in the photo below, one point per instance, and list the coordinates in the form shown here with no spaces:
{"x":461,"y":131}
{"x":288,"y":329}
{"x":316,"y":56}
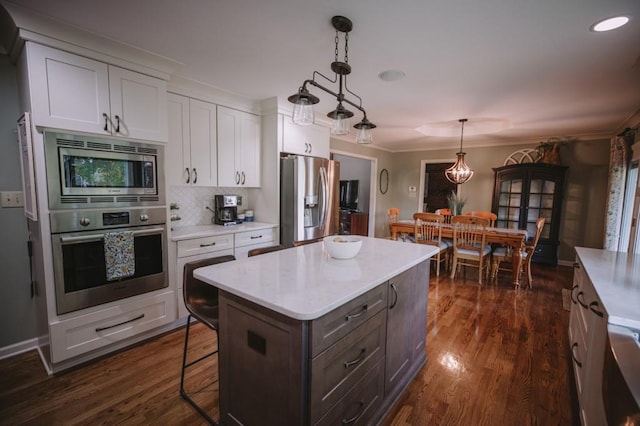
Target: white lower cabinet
{"x":86,"y":332}
{"x":245,"y":241}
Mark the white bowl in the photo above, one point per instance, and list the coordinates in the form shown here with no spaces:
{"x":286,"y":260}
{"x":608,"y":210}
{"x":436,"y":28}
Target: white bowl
{"x":342,"y":246}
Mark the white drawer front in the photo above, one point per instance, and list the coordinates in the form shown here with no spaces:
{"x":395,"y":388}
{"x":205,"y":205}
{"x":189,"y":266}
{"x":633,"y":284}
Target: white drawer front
{"x":205,"y":245}
{"x":85,"y":333}
{"x":255,"y":237}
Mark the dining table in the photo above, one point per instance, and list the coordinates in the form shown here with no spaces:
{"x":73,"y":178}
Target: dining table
{"x":514,"y":238}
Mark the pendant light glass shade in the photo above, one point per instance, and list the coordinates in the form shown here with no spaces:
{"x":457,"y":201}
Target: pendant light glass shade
{"x":459,"y":172}
{"x":365,"y":136}
{"x":303,"y":112}
{"x":340,"y":126}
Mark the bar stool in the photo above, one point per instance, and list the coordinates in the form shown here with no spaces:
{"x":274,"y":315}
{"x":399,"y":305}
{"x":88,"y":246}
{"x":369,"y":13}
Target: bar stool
{"x":201,"y":300}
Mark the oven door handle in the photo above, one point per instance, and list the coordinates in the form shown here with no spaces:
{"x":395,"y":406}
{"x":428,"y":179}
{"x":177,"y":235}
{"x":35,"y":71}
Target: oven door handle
{"x":98,"y":237}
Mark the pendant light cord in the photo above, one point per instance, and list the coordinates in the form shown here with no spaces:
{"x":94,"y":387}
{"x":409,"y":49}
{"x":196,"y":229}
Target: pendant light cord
{"x":462,"y":120}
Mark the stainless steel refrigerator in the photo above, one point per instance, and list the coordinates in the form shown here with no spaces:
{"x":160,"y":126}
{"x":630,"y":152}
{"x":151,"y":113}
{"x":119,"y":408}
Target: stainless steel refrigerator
{"x":309,"y":198}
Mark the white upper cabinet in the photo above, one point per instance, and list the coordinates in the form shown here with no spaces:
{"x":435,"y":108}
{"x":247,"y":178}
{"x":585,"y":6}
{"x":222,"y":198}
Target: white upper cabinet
{"x":71,"y":92}
{"x":238,"y":148}
{"x":312,"y":140}
{"x":192,"y":150}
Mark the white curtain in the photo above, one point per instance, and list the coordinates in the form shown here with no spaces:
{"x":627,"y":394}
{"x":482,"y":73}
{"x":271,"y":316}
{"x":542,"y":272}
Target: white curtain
{"x":618,"y":166}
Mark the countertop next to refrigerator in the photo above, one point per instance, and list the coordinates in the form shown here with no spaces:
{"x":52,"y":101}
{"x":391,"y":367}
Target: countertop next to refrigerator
{"x":616,"y":279}
{"x":197,"y":231}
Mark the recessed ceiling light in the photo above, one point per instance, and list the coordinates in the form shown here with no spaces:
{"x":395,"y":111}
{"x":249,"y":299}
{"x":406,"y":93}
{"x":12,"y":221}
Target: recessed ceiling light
{"x":610,"y":23}
{"x":391,"y":75}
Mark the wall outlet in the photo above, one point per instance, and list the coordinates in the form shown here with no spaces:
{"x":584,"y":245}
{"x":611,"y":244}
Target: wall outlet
{"x":206,"y":204}
{"x":12,"y":199}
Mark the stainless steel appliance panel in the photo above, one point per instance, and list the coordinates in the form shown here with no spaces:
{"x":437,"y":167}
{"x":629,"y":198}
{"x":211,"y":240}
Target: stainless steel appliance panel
{"x":621,"y":376}
{"x":308,"y":198}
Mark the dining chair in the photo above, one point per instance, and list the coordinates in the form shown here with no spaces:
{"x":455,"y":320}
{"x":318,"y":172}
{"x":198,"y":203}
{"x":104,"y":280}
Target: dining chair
{"x":428,"y":230}
{"x":201,"y":300}
{"x":469,"y":244}
{"x":263,"y":250}
{"x":505,"y":254}
{"x":393,"y":215}
{"x":446,"y":213}
{"x":305,"y":242}
{"x":487,"y":215}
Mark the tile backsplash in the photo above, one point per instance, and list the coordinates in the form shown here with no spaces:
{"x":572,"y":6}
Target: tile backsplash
{"x":191,"y":202}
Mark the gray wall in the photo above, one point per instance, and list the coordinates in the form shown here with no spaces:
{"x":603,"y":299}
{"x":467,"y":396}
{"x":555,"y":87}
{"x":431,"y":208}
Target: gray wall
{"x":17,"y":309}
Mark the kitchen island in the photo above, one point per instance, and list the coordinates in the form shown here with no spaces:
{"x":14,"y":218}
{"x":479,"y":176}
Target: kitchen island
{"x":306,"y":339}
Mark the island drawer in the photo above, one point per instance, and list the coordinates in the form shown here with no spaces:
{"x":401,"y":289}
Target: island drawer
{"x":335,"y":371}
{"x":328,"y":329}
{"x":205,"y":245}
{"x":359,"y":405}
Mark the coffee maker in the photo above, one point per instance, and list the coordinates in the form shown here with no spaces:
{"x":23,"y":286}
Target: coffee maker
{"x":226,"y":209}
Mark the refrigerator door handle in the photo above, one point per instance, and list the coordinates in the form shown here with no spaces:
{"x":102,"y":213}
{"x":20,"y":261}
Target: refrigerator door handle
{"x":324,"y":183}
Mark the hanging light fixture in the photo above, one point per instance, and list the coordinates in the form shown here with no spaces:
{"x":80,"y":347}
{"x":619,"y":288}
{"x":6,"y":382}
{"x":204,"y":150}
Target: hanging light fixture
{"x":304,"y":101}
{"x":459,"y":172}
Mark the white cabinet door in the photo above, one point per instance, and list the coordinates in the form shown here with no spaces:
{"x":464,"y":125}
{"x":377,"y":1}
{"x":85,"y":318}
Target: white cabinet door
{"x":178,"y":158}
{"x":75,"y":93}
{"x":309,"y":140}
{"x":238,"y":148}
{"x":138,"y":105}
{"x":204,"y":159}
{"x":67,"y":91}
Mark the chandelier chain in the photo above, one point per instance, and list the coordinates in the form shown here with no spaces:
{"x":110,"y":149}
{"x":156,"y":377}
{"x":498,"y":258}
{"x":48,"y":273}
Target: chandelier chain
{"x":337,"y":41}
{"x":462,"y":134}
{"x":346,"y":48}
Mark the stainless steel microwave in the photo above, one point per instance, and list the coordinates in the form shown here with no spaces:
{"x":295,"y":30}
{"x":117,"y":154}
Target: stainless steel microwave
{"x":86,"y":171}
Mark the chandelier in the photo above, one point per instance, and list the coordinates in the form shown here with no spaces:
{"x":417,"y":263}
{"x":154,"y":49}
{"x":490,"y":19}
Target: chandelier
{"x":459,"y":172}
{"x":304,"y":101}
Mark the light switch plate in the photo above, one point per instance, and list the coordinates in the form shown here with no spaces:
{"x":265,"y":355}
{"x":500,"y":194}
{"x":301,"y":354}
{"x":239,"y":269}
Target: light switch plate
{"x":12,"y":199}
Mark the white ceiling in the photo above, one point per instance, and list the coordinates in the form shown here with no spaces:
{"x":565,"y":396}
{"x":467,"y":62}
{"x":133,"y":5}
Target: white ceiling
{"x":532,"y":63}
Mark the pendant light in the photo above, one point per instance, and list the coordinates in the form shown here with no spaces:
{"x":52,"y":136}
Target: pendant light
{"x":303,"y":101}
{"x":459,"y":173}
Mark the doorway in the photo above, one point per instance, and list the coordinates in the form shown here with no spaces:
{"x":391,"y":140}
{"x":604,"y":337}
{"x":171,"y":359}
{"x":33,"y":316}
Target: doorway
{"x":434,"y":186}
{"x":360,"y":169}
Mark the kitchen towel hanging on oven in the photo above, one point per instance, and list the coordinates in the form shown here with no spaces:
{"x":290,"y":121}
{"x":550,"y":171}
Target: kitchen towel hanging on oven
{"x":119,"y":255}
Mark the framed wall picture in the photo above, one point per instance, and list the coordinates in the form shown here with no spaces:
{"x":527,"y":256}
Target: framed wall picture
{"x":384,"y":181}
{"x":25,"y":142}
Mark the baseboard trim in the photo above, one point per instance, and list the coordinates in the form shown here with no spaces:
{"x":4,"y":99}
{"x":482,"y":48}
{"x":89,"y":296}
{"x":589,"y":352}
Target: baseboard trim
{"x":18,"y":348}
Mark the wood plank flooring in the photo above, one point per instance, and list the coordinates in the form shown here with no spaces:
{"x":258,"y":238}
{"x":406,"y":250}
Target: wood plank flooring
{"x":497,"y":356}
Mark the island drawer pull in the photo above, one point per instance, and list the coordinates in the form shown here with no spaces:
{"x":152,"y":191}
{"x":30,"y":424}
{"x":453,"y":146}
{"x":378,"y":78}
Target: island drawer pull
{"x":356,"y":417}
{"x":363,"y":311}
{"x":573,"y":288}
{"x":98,"y":329}
{"x":395,"y":294}
{"x":578,"y":363}
{"x":358,"y":360}
{"x":255,"y":237}
{"x":208,"y":245}
{"x":580,"y":301}
{"x":594,"y":306}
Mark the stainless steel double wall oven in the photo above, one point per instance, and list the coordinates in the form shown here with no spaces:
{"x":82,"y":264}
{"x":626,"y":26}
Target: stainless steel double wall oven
{"x":98,"y":186}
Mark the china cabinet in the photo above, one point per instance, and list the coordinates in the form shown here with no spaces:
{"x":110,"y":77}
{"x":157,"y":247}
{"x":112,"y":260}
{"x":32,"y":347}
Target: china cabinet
{"x":524,"y":192}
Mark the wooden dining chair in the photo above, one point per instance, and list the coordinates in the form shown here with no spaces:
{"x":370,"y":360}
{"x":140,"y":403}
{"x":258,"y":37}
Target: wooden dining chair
{"x":505,"y":254}
{"x":428,"y":230}
{"x":446,"y":213}
{"x":469,"y":244}
{"x":305,"y":242}
{"x":487,"y":215}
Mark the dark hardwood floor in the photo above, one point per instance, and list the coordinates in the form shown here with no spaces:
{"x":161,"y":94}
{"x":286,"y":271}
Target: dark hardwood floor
{"x":496,"y":356}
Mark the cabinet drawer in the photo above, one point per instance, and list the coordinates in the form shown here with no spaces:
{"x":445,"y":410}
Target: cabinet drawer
{"x":205,"y":245}
{"x":255,"y":237}
{"x":94,"y":330}
{"x":358,"y":406}
{"x":328,"y":329}
{"x":337,"y":369}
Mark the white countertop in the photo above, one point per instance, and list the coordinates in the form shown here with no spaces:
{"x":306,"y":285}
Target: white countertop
{"x":616,"y":278}
{"x":196,"y":231}
{"x":304,"y":283}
